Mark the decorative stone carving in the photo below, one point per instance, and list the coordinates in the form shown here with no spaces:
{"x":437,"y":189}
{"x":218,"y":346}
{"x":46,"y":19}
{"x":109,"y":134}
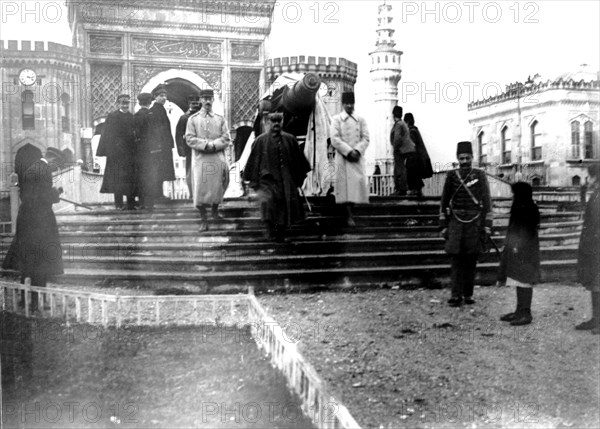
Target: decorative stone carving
{"x":142,"y":74}
{"x":106,"y":86}
{"x":106,"y":44}
{"x":245,"y":52}
{"x":245,"y":94}
{"x":176,"y":48}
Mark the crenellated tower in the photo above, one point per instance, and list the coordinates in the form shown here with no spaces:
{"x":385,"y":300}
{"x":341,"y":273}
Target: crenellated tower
{"x":385,"y":73}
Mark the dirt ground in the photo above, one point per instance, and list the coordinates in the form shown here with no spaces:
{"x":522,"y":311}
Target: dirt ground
{"x":83,"y":376}
{"x":399,"y":358}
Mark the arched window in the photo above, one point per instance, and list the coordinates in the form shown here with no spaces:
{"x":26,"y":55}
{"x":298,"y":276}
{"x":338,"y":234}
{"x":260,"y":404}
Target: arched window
{"x":536,"y":144}
{"x":506,"y":145}
{"x":575,"y":140}
{"x":65,"y":112}
{"x":28,"y":110}
{"x":481,"y":146}
{"x":588,"y":140}
{"x":575,"y":181}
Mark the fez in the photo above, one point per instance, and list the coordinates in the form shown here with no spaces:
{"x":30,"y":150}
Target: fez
{"x":464,"y":147}
{"x":160,"y":89}
{"x":397,"y":112}
{"x":347,"y":98}
{"x":207,"y":93}
{"x":144,"y":98}
{"x":123,"y":97}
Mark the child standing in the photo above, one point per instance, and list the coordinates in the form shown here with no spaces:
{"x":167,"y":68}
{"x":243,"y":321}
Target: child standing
{"x":520,"y":263}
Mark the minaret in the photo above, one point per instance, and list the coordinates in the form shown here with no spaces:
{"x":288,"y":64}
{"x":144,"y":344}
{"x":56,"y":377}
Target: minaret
{"x":385,"y":73}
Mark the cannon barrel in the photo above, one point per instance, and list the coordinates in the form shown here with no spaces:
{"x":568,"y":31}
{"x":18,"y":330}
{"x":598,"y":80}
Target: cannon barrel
{"x":301,"y":97}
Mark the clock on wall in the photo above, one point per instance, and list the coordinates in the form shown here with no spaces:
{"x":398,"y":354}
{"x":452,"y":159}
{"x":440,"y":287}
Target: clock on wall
{"x":27,"y":77}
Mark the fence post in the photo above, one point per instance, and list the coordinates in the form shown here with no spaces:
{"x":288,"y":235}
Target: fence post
{"x":14,"y":203}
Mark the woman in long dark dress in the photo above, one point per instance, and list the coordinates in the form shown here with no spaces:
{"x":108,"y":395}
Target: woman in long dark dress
{"x":36,"y":250}
{"x":520,"y":264}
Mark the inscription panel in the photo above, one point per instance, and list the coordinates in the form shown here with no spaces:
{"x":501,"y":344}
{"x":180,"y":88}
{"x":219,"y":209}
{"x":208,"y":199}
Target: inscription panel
{"x":106,"y":44}
{"x":245,"y":52}
{"x":176,"y":48}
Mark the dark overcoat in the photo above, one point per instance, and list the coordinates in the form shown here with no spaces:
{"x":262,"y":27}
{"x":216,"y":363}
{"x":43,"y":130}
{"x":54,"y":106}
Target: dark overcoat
{"x":276,"y":169}
{"x":182,"y":148}
{"x":117,"y":144}
{"x":36,"y":250}
{"x":158,"y":152}
{"x":521,"y":255}
{"x":588,"y":263}
{"x":425,"y":169}
{"x":464,"y":217}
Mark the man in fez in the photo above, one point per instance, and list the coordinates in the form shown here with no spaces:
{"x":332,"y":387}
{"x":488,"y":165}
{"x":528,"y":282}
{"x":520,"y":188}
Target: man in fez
{"x":276,"y":169}
{"x":182,"y":148}
{"x":208,"y":136}
{"x":424,"y":168}
{"x":350,"y":139}
{"x":405,"y":157}
{"x":465,"y":214}
{"x":157,"y":164}
{"x":117,"y":144}
{"x":141,"y":121}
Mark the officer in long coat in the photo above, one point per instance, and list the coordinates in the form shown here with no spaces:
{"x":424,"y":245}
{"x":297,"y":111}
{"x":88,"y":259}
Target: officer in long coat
{"x":141,"y":127}
{"x":117,"y":144}
{"x":465,"y":215}
{"x":208,"y":136}
{"x":276,"y":169}
{"x":350,"y":139}
{"x":157,"y":164}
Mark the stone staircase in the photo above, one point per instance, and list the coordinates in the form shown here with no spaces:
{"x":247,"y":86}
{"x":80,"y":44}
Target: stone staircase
{"x":395,"y":242}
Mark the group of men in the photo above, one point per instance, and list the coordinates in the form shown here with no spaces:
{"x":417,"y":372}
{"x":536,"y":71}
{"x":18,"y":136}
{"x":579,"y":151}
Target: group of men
{"x":138,"y":150}
{"x":139,"y":153}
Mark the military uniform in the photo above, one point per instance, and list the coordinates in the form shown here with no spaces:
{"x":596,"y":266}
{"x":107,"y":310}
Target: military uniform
{"x":466,"y":209}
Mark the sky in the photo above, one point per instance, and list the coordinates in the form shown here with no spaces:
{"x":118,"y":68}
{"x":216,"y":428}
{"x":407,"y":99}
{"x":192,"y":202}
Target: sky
{"x":452,"y":50}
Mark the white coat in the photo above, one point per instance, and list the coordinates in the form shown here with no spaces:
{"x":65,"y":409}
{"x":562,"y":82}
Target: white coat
{"x":348,"y":133}
{"x":210,"y":170}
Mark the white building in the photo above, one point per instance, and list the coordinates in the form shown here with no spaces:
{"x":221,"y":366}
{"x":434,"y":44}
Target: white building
{"x":544,"y":131}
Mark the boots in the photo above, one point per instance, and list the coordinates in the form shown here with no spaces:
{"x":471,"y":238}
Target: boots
{"x":203,"y":219}
{"x":523,"y":313}
{"x":349,"y":219}
{"x":215,"y":212}
{"x":594,"y":323}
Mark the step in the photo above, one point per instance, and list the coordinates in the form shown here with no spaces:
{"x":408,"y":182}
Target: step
{"x":428,"y":276}
{"x":219,"y":262}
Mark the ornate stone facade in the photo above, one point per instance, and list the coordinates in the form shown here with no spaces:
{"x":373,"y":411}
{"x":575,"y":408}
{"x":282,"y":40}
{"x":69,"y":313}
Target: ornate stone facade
{"x":44,"y":112}
{"x":544,"y":131}
{"x":220,"y":41}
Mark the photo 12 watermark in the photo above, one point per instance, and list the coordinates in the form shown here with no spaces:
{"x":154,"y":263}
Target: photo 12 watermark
{"x":471,"y":12}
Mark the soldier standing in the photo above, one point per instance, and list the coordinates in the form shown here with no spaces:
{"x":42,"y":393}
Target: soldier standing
{"x":117,"y":144}
{"x":208,"y":136}
{"x":350,"y":139}
{"x":466,"y":213}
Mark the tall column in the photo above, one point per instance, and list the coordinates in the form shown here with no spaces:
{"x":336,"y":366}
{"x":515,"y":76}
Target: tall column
{"x":385,"y":74}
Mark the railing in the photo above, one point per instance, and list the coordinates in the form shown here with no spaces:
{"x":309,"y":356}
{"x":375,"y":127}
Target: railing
{"x":383,"y":185}
{"x":317,"y":403}
{"x":218,"y":310}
